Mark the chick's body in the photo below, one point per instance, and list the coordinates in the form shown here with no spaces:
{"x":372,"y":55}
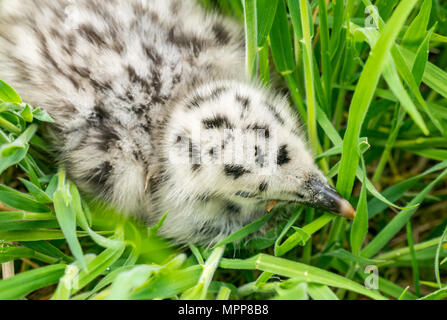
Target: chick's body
{"x":127,"y":81}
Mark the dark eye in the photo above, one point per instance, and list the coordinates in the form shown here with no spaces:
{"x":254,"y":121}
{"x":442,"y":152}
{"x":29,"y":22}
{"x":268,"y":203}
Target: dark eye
{"x":299,"y":195}
{"x":283,"y":155}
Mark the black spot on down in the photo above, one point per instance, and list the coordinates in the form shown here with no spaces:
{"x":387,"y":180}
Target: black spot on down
{"x":232,"y":208}
{"x":221,"y":34}
{"x":244,"y":194}
{"x":99,"y":177}
{"x":263,"y":186}
{"x":235,"y":171}
{"x":218,"y":122}
{"x":244,"y":101}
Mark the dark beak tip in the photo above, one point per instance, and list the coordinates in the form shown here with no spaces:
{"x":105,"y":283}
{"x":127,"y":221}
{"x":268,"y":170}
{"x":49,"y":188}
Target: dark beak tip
{"x":330,"y":200}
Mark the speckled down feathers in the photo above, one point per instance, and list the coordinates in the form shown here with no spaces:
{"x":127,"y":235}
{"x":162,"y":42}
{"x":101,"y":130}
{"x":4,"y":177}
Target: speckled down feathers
{"x":128,"y":82}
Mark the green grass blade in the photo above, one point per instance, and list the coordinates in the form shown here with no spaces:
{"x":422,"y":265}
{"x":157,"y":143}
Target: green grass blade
{"x":21,"y":201}
{"x":47,"y":249}
{"x":414,"y":261}
{"x":9,"y":253}
{"x":421,"y":58}
{"x":438,"y":251}
{"x":416,"y":32}
{"x":434,"y":77}
{"x":97,"y":266}
{"x":346,"y":256}
{"x":24,"y":283}
{"x":398,"y":221}
{"x":170,"y":284}
{"x":8,"y":94}
{"x":278,"y":249}
{"x":83,"y":222}
{"x":309,"y":76}
{"x":16,"y":216}
{"x":245,"y":231}
{"x":110,"y":278}
{"x":440,"y":294}
{"x":293,"y":269}
{"x":395,"y":192}
{"x":297,"y":292}
{"x":320,"y":292}
{"x":281,"y":42}
{"x":281,"y":45}
{"x":66,"y":216}
{"x":63,"y":290}
{"x":223,"y":294}
{"x":37,"y":192}
{"x":364,"y":93}
{"x":325,"y":54}
{"x":251,"y":34}
{"x":359,"y":227}
{"x":35,"y":235}
{"x":199,"y":291}
{"x":265,"y":10}
{"x":15,"y":151}
{"x":127,"y":281}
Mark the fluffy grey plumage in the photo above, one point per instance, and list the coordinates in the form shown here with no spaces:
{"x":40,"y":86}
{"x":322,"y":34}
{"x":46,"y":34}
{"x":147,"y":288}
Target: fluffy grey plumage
{"x":150,"y":99}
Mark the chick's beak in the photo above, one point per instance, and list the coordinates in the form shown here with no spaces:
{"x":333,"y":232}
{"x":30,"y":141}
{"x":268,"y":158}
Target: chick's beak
{"x":327,"y":198}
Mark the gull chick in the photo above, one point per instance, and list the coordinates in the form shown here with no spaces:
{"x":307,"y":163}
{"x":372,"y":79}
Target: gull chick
{"x":153,"y":113}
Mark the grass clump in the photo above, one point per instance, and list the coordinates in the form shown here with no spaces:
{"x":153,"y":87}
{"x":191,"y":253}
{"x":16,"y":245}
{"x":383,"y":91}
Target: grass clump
{"x":371,"y":88}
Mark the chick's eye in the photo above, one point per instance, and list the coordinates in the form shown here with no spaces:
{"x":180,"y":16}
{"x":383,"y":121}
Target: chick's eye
{"x":283,"y":156}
